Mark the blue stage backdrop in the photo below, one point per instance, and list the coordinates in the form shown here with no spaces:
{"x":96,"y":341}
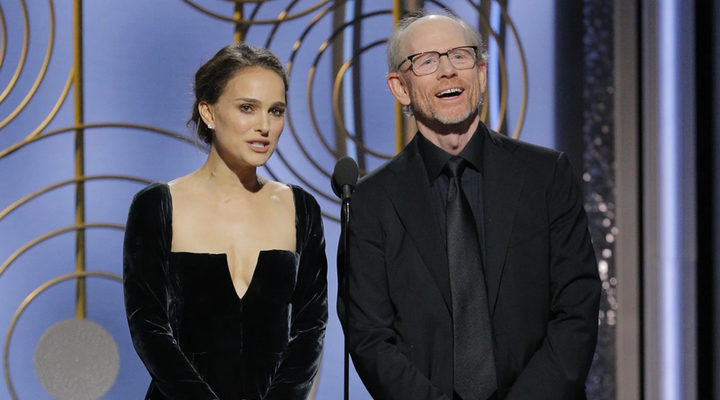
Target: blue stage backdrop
{"x":94,"y":96}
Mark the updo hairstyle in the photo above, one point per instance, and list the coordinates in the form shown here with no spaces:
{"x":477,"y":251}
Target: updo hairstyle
{"x":213,"y":76}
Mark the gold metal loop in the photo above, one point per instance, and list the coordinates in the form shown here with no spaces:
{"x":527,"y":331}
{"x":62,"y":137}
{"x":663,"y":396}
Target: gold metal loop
{"x":281,"y":18}
{"x":28,"y":299}
{"x":46,"y":189}
{"x":73,"y":228}
{"x":23,"y":53}
{"x":40,"y":75}
{"x":17,"y":146}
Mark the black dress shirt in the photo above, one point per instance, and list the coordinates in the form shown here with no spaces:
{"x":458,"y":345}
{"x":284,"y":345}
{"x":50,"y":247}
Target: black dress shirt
{"x":435,"y":160}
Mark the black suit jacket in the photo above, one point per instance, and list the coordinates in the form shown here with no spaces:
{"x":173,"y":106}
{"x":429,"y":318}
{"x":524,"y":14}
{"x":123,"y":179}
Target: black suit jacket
{"x":540,"y":267}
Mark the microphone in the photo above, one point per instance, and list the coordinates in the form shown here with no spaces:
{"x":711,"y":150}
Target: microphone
{"x":344,"y":177}
{"x":343,"y":182}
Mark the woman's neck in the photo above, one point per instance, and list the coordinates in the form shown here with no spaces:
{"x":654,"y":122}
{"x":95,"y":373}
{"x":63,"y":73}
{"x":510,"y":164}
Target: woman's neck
{"x":223,"y":176}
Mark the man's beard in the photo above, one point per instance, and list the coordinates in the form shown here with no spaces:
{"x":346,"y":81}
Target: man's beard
{"x":438,"y":122}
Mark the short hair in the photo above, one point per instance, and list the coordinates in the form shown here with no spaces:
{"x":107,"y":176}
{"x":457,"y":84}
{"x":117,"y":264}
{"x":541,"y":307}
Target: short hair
{"x":212,"y":77}
{"x":393,"y":46}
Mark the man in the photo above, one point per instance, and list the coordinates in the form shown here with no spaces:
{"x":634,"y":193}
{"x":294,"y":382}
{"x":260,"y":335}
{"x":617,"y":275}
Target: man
{"x":471,"y":273}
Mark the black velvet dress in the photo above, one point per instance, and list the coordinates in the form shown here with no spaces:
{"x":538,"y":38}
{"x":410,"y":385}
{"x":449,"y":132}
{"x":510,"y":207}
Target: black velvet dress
{"x":197,"y":338}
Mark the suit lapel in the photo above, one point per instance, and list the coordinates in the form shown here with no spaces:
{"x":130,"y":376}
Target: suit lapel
{"x":410,"y":192}
{"x":503,"y":182}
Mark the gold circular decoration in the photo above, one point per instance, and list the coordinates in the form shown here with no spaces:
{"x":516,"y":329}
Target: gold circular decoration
{"x":338,"y":79}
{"x":43,"y":69}
{"x":284,"y":15}
{"x":23,"y":53}
{"x":311,"y":156}
{"x":71,"y":129}
{"x":76,"y":359}
{"x":27,"y":246}
{"x":3,"y":33}
{"x":12,"y":207}
{"x":325,"y":171}
{"x":26,"y":302}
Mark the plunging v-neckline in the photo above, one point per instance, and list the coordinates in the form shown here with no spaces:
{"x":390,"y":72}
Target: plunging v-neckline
{"x":226,"y":270}
{"x":225,"y":255}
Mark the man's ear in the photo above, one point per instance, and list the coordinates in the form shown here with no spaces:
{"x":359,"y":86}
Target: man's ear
{"x":399,"y":88}
{"x":482,"y":75}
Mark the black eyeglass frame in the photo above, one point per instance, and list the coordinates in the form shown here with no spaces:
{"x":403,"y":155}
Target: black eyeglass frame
{"x":447,"y":54}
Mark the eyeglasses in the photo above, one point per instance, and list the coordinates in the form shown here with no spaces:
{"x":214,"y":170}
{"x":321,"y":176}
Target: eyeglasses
{"x":462,"y":57}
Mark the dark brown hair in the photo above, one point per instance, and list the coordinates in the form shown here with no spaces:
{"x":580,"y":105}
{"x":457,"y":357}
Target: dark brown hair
{"x":213,"y":76}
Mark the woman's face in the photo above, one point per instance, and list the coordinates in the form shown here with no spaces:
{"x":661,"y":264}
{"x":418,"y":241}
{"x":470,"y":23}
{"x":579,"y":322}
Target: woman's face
{"x":248,"y":117}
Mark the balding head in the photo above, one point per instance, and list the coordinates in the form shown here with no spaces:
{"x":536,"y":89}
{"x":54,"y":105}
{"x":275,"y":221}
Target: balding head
{"x":401,"y":38}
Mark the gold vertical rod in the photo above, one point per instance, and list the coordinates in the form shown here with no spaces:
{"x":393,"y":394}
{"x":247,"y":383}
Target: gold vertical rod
{"x":239,"y":27}
{"x":399,"y":118}
{"x":338,"y":53}
{"x":80,"y":293}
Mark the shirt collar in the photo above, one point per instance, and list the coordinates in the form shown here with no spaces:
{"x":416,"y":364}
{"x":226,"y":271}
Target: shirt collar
{"x":435,"y":158}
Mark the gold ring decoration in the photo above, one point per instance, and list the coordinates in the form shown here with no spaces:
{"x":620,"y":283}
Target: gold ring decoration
{"x":61,"y":99}
{"x":73,"y":228}
{"x":503,"y":70}
{"x":23,"y":53}
{"x":17,"y":146}
{"x":291,"y":128}
{"x":523,"y":63}
{"x":284,"y":15}
{"x":3,"y":33}
{"x":311,"y":77}
{"x":339,"y":120}
{"x":76,"y":359}
{"x":293,"y":131}
{"x":56,"y":185}
{"x":28,"y":299}
{"x":41,"y":74}
{"x":280,"y":156}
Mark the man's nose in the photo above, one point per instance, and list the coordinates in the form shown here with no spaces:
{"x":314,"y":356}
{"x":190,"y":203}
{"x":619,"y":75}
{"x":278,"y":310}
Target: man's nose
{"x":445,"y":67}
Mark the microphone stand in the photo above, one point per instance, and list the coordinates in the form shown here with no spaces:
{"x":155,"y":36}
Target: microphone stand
{"x":344,"y":223}
{"x":343,"y":182}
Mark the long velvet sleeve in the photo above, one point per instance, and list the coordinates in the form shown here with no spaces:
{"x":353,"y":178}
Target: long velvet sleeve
{"x":558,"y":368}
{"x":301,"y":359}
{"x":147,"y":301}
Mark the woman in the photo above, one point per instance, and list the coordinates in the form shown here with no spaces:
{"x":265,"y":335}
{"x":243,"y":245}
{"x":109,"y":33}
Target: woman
{"x":224,"y":270}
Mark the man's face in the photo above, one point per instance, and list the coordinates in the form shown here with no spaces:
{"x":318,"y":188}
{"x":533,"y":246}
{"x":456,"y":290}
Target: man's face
{"x":448,"y":96}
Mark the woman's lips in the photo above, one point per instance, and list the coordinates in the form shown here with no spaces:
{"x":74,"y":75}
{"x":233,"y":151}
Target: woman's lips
{"x":259,"y":146}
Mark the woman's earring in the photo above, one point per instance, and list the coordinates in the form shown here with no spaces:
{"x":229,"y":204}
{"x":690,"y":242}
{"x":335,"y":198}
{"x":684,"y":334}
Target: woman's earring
{"x":209,"y":126}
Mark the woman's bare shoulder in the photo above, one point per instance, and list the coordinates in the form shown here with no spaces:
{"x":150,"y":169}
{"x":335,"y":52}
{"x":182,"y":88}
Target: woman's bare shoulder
{"x":279,"y":192}
{"x":184,"y":186}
